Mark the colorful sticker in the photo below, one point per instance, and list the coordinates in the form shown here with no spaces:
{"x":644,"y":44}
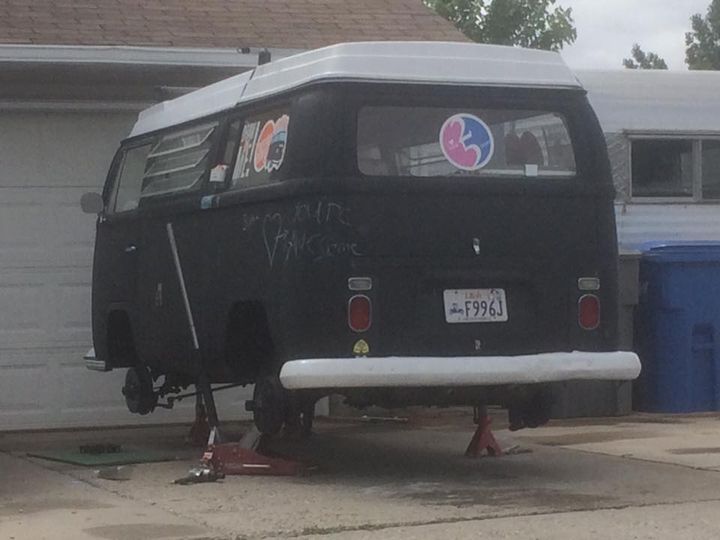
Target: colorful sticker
{"x":245,"y":151}
{"x":466,"y":142}
{"x":276,"y":152}
{"x":270,"y":145}
{"x":262,"y":146}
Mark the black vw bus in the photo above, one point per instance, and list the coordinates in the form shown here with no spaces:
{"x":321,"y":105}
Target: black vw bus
{"x":399,"y":223}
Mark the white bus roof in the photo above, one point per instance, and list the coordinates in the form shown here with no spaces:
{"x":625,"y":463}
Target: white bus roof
{"x":411,"y":62}
{"x":658,"y":101}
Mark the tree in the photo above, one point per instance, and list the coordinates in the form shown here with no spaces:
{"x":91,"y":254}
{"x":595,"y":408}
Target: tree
{"x":537,"y":24}
{"x":703,"y":43}
{"x":642,"y":60}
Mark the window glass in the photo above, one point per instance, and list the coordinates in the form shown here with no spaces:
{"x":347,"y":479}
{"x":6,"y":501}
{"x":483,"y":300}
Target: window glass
{"x":434,"y":141}
{"x":178,"y":161}
{"x":233,"y":136}
{"x":130,"y":178}
{"x":262,"y":147}
{"x":618,"y":147}
{"x":183,"y":141}
{"x":662,"y":168}
{"x":711,"y":169}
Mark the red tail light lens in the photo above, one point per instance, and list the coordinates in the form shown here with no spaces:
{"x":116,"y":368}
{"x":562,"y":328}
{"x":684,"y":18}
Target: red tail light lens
{"x":359,"y":313}
{"x":589,"y":312}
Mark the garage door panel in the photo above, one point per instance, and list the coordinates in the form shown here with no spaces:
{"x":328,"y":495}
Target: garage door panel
{"x":24,"y":227}
{"x":27,"y":388}
{"x":20,"y":385}
{"x":74,"y":300}
{"x":44,"y":228}
{"x":84,"y":390}
{"x":59,"y":149}
{"x":45,"y":308}
{"x":20,"y":311}
{"x":75,"y":230}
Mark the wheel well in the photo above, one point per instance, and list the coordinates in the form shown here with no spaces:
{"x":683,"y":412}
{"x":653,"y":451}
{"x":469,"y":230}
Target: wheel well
{"x":249,"y":346}
{"x":120,"y":340}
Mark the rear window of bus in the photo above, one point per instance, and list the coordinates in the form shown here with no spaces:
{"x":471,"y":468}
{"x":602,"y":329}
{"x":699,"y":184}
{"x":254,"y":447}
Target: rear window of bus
{"x":434,"y":141}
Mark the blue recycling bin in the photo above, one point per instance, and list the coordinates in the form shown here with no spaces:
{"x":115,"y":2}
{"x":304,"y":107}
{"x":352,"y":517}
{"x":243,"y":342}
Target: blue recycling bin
{"x":678,"y":329}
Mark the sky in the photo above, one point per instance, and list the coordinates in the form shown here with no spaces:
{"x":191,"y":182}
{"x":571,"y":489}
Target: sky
{"x":607,"y":30}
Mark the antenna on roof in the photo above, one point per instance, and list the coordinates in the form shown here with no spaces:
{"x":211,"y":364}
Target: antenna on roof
{"x":264,"y":57}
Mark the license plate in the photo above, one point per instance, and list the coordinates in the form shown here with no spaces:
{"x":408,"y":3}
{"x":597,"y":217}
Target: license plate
{"x":475,"y":305}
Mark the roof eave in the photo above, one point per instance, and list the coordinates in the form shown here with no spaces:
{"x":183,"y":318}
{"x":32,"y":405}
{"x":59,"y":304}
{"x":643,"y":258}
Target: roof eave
{"x":135,"y":55}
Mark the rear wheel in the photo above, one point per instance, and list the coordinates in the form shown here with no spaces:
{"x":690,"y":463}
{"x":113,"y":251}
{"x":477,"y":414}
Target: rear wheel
{"x":140,"y":397}
{"x":269,"y":405}
{"x":531,"y":412}
{"x":308,"y":415}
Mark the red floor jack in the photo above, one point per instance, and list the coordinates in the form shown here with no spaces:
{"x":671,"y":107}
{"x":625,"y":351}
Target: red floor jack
{"x":241,"y":458}
{"x":246,"y":457}
{"x":483,"y":439}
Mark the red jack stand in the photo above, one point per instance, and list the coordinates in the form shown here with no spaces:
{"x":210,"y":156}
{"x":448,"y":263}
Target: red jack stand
{"x":483,"y":439}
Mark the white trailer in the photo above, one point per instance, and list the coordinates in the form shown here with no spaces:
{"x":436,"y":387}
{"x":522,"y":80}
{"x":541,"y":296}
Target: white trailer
{"x":663,"y":135}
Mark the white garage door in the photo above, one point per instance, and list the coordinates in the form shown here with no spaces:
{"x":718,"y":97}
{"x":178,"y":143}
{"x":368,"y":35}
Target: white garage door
{"x":47,"y":160}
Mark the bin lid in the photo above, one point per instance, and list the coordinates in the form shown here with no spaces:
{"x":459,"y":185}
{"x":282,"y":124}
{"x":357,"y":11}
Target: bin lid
{"x":701,"y":251}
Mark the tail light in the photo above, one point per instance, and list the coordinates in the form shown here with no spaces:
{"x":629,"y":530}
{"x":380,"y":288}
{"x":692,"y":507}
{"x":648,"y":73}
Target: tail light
{"x":359,"y":313}
{"x":589,"y":312}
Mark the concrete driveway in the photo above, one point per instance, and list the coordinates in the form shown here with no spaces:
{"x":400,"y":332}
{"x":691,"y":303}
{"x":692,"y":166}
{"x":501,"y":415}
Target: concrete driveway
{"x":642,"y":477}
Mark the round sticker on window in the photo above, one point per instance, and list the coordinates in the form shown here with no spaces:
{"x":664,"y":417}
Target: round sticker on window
{"x":466,"y":142}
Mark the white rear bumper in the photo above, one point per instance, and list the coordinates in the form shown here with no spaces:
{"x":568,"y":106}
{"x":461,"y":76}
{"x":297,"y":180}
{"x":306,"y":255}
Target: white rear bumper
{"x":414,"y":371}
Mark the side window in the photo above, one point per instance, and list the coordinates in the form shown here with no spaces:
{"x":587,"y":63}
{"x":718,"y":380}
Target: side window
{"x":662,"y":168}
{"x":233,"y":136}
{"x":686,"y":169}
{"x":130,"y":179}
{"x":262,"y":147}
{"x":711,"y":169}
{"x":178,"y":161}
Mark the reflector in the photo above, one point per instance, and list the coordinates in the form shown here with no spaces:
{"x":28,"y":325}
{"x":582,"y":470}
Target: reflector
{"x":359,"y":313}
{"x":589,"y":312}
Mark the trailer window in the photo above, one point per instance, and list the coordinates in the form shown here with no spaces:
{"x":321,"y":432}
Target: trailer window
{"x":178,"y":161}
{"x":431,"y":141}
{"x":711,"y":169}
{"x":662,"y":168}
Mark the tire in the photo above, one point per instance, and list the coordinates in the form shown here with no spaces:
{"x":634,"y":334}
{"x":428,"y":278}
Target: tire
{"x":308,"y":415}
{"x":270,"y":405}
{"x":140,"y":397}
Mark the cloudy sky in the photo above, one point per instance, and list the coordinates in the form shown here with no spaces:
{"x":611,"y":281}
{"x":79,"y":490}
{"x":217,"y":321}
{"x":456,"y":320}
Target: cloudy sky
{"x":607,"y":30}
